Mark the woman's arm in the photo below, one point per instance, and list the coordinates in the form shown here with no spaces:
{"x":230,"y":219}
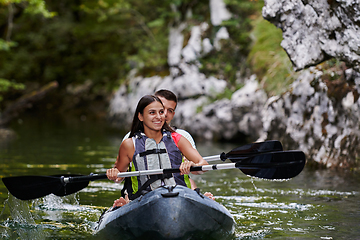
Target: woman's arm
{"x":126,"y":151}
{"x":191,"y":154}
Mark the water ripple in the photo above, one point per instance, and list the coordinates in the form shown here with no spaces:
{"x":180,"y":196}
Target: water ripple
{"x":251,"y":202}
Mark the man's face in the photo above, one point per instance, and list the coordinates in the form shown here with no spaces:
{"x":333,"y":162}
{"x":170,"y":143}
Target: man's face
{"x":169,"y":107}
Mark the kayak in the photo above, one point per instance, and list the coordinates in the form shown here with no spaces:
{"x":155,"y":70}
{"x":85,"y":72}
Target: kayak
{"x":167,"y":213}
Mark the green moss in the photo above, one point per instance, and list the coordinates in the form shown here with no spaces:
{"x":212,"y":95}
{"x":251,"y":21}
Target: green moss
{"x":199,"y":109}
{"x":227,"y":93}
{"x":229,"y":63}
{"x":268,"y":59}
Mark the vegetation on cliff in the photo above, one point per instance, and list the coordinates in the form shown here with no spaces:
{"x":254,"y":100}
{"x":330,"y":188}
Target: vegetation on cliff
{"x":89,"y":47}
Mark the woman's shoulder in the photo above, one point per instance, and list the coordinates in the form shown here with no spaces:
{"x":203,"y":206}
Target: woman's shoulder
{"x":127,"y":143}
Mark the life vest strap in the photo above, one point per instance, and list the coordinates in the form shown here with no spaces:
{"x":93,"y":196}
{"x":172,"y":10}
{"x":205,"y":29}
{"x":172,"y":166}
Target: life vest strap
{"x":151,"y":180}
{"x":152,"y":151}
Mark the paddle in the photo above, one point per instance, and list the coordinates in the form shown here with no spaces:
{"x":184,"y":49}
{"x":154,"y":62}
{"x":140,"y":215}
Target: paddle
{"x":248,"y":150}
{"x":30,"y":187}
{"x":273,"y":165}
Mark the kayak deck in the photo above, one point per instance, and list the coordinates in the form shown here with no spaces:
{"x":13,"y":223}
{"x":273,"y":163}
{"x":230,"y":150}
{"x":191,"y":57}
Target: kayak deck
{"x":168,"y":213}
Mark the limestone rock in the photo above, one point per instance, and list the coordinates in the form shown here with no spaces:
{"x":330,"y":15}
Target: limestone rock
{"x":314,"y":31}
{"x":308,"y":118}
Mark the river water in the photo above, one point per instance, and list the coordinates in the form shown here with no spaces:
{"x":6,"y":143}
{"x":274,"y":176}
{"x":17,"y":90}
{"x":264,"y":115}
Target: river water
{"x":317,"y":204}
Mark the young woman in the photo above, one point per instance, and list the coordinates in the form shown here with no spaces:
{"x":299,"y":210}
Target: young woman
{"x":144,"y":149}
{"x":169,"y":101}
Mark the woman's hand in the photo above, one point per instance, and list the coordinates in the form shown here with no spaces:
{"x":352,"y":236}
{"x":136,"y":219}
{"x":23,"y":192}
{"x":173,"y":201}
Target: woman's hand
{"x":112,"y":175}
{"x":188,"y":165}
{"x":185,"y":167}
{"x":192,"y":155}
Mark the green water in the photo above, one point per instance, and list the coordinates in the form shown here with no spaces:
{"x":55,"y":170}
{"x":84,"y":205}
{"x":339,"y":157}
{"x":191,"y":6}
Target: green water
{"x":319,"y":204}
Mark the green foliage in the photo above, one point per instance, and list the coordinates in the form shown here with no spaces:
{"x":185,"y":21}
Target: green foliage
{"x":240,"y":25}
{"x":74,"y":41}
{"x":156,"y":23}
{"x":228,"y":63}
{"x":226,"y":94}
{"x":223,"y":64}
{"x":31,"y":6}
{"x":268,"y":59}
{"x":105,"y":9}
{"x":6,"y":45}
{"x":7,"y":7}
{"x":6,"y":85}
{"x":38,"y":7}
{"x":96,"y":40}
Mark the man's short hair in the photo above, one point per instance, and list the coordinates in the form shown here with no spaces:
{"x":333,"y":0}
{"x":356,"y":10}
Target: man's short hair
{"x":167,"y":94}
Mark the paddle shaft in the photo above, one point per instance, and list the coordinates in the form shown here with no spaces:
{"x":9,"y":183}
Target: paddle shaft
{"x":221,"y":166}
{"x":212,"y":158}
{"x":248,"y":150}
{"x":94,"y":177}
{"x":176,"y":170}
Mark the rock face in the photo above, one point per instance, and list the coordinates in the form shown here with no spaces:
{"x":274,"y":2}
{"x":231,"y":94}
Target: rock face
{"x":227,"y":118}
{"x":222,"y":119}
{"x":316,"y":30}
{"x":318,"y":116}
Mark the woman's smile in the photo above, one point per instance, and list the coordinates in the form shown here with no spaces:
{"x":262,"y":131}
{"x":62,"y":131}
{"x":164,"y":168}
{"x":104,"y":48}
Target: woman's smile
{"x":158,"y":122}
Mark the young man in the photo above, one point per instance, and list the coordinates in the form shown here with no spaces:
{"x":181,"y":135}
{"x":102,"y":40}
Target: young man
{"x":169,"y":101}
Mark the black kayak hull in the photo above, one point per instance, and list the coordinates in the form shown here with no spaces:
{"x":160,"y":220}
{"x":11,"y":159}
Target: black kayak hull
{"x":166,"y":213}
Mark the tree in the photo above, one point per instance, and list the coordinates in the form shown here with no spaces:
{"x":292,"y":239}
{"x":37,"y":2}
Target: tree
{"x":12,"y":9}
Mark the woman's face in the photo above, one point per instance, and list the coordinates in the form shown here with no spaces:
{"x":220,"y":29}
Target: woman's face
{"x":153,"y":116}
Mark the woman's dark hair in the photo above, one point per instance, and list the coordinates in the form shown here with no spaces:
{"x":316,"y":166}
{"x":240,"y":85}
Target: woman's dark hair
{"x":137,"y":125}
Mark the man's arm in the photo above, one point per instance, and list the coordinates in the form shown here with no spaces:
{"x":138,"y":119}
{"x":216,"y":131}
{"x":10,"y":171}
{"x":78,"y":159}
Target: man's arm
{"x":187,"y":135}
